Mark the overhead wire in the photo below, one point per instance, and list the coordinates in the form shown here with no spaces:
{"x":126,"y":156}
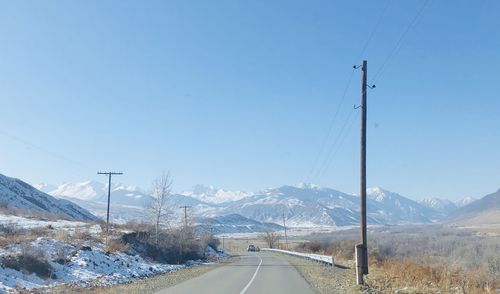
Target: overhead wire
{"x":44,"y":150}
{"x":341,"y":144}
{"x":333,"y":146}
{"x":375,"y":28}
{"x":334,"y":119}
{"x":399,"y":43}
{"x":331,"y":125}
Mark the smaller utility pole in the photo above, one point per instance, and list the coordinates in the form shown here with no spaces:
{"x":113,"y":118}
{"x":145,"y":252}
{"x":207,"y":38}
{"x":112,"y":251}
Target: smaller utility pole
{"x":184,"y":231}
{"x":185,"y":214}
{"x":109,"y":174}
{"x":284,"y":225}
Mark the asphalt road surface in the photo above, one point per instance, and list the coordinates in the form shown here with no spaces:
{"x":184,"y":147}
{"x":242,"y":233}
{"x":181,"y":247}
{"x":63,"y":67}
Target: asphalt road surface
{"x":254,"y":273}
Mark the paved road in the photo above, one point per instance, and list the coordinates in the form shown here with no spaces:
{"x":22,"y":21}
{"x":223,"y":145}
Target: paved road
{"x":254,"y":273}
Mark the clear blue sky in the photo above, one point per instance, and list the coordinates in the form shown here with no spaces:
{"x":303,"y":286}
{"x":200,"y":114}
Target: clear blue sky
{"x":240,"y":94}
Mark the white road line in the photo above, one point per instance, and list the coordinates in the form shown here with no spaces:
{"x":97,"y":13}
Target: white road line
{"x":253,"y":277}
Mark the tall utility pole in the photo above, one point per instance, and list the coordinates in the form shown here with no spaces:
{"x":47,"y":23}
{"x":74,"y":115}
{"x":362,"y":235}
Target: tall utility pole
{"x":284,"y":225}
{"x":109,"y":174}
{"x":362,"y":249}
{"x":185,"y":215}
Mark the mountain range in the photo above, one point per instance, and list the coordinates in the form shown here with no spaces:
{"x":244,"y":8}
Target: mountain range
{"x":303,"y":205}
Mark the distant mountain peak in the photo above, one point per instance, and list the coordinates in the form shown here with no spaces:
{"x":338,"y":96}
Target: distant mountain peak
{"x":310,"y":186}
{"x":97,"y":192}
{"x":380,"y":195}
{"x":442,"y":205}
{"x":466,"y":200}
{"x":211,"y":194}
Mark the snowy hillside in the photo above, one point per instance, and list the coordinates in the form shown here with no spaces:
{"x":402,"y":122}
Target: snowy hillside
{"x":70,"y":253}
{"x":18,"y":194}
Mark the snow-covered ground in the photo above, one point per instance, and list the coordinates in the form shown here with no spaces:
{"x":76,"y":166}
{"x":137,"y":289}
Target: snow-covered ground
{"x":81,"y":263}
{"x":31,"y":223}
{"x":84,"y":268}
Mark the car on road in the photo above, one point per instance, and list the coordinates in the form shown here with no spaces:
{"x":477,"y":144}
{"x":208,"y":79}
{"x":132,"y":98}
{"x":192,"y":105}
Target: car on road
{"x":251,"y":247}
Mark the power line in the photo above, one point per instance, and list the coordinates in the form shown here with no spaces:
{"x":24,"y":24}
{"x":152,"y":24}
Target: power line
{"x":333,"y":146}
{"x":332,"y":123}
{"x":375,"y":28}
{"x":399,"y":43}
{"x":341,"y":138}
{"x":334,"y":119}
{"x":42,"y":149}
{"x":341,"y":144}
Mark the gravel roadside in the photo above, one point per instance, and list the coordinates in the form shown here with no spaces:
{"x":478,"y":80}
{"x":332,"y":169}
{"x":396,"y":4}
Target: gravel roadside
{"x":325,"y":279}
{"x":147,"y":285}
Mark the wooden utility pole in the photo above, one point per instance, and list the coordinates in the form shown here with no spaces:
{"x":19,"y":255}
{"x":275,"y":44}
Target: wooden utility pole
{"x":184,"y":231}
{"x":362,"y":249}
{"x":185,"y":214}
{"x":109,"y":174}
{"x":284,"y":225}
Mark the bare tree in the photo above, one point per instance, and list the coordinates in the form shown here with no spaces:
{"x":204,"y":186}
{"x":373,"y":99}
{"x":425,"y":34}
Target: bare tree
{"x":161,"y":191}
{"x":270,"y":237}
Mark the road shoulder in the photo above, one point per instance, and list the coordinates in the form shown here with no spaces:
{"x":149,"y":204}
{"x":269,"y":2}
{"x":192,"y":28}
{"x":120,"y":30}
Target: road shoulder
{"x":325,"y":279}
{"x":152,"y":284}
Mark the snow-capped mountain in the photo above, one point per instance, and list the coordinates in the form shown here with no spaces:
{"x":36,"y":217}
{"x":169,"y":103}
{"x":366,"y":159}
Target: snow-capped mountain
{"x":98,"y":192}
{"x":210,"y":194}
{"x":485,"y":210}
{"x":444,"y":206}
{"x":465,"y":201}
{"x":389,"y":207}
{"x":304,"y":205}
{"x":18,"y":194}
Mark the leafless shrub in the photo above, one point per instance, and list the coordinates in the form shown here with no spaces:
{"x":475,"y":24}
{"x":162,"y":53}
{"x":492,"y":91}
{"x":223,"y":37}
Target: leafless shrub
{"x":175,"y":245}
{"x":160,"y":193}
{"x":271,"y":238}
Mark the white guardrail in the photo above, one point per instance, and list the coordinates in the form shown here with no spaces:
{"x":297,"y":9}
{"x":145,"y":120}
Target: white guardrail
{"x":324,"y":259}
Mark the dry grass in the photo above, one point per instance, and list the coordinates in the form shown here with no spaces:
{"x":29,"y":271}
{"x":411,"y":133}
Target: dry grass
{"x":325,"y":279}
{"x":414,"y":276}
{"x":10,"y":235}
{"x":115,"y":245}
